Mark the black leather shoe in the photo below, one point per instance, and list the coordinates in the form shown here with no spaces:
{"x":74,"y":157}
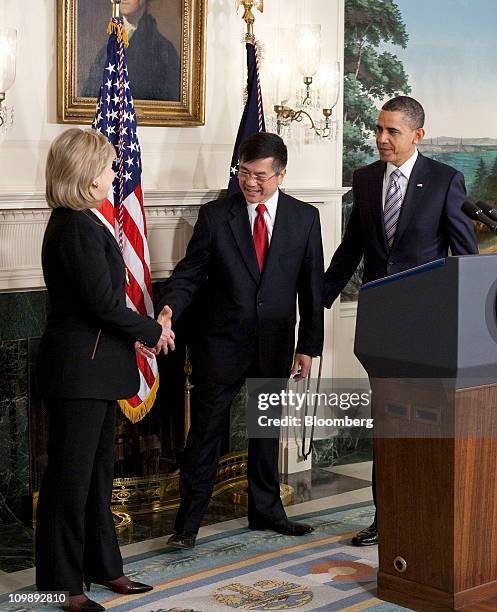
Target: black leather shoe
{"x":366,"y":537}
{"x":122,"y":585}
{"x":78,"y":603}
{"x":285,"y":527}
{"x":182,"y":540}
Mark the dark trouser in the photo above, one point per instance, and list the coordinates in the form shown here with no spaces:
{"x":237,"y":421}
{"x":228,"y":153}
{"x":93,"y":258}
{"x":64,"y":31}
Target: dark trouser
{"x":373,"y":482}
{"x":211,"y":404}
{"x":75,"y":534}
{"x":373,"y":486}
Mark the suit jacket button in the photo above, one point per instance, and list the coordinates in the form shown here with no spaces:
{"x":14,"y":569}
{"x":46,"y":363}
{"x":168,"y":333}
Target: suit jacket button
{"x":260,"y":303}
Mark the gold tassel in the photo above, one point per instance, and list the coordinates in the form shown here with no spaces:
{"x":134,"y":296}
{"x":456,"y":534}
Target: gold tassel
{"x":136,"y":413}
{"x":120,"y":32}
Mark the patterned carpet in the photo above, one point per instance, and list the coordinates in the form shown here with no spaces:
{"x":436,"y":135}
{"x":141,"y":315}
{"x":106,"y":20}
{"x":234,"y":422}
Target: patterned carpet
{"x":260,"y":570}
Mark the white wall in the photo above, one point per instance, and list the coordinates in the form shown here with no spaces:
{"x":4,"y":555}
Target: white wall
{"x":173,"y":158}
{"x":183,"y":167}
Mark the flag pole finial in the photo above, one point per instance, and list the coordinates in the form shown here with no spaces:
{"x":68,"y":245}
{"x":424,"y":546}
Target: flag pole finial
{"x":117,"y":26}
{"x":116,"y":9}
{"x":248,"y":15}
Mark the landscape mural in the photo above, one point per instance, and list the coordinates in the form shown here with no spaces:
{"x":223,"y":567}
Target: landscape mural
{"x":424,"y":49}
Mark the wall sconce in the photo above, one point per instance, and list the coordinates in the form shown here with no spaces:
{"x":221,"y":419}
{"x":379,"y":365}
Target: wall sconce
{"x":308,"y":49}
{"x":321,"y":85}
{"x":8,"y":42}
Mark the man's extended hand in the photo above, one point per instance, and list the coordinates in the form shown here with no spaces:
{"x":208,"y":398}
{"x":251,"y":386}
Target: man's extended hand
{"x":301,"y":366}
{"x":165,"y":317}
{"x":166,"y":340}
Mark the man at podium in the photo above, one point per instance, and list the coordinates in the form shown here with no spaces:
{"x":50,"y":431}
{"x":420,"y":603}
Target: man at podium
{"x":406,"y":212}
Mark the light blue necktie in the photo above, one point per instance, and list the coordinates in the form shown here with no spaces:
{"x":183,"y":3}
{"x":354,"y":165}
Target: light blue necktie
{"x":393,"y":203}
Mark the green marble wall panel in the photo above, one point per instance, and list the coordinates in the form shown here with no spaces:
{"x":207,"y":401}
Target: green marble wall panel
{"x":14,"y":437}
{"x":340,"y":450}
{"x":22,"y":315}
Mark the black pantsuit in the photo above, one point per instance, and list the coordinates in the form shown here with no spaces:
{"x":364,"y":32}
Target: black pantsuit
{"x":86,"y":362}
{"x":245,"y":328}
{"x":75,"y":497}
{"x":210,"y":408}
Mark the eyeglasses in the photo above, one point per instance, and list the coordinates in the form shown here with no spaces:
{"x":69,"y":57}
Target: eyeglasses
{"x":243,"y":174}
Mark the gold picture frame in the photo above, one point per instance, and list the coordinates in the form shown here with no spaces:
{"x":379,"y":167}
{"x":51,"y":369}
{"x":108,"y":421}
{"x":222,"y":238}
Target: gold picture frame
{"x":173,"y":34}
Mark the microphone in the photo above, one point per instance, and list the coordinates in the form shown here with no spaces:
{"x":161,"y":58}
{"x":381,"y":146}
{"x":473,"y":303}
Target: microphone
{"x":475,"y":212}
{"x":488,"y":210}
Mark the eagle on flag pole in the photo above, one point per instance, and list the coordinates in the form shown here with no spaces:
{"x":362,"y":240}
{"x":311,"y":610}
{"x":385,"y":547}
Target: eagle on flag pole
{"x":123,"y":212}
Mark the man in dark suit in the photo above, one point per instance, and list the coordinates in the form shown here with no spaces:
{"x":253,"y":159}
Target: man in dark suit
{"x":153,"y":63}
{"x":253,"y":254}
{"x":406,"y":212}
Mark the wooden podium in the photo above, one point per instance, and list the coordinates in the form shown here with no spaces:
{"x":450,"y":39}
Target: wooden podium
{"x":428,"y":340}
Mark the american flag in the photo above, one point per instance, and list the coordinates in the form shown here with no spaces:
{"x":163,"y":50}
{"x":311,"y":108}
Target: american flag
{"x":122,"y":212}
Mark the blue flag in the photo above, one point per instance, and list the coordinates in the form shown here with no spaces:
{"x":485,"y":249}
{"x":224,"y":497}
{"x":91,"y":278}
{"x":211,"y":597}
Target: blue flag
{"x":253,"y":114}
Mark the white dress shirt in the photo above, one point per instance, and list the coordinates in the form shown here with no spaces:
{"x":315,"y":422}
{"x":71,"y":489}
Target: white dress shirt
{"x":405,"y":169}
{"x":269,"y":215}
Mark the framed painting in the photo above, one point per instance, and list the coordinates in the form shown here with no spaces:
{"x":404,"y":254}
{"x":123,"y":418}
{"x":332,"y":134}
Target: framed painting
{"x":165,"y":58}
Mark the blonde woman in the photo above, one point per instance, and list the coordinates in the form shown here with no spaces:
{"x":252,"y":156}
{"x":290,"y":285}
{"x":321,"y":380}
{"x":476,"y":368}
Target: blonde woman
{"x":86,"y":362}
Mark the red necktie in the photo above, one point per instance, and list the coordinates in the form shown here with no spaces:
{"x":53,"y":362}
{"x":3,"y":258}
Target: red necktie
{"x":261,"y":237}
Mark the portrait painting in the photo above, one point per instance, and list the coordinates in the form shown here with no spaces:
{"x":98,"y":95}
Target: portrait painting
{"x":165,"y":58}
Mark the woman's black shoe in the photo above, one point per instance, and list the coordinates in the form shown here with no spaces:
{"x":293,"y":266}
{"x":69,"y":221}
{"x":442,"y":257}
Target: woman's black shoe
{"x":122,"y":585}
{"x":81,"y":603}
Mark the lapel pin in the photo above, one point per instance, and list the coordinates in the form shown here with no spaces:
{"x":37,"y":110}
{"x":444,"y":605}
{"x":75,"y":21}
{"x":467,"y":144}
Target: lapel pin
{"x":419,"y":185}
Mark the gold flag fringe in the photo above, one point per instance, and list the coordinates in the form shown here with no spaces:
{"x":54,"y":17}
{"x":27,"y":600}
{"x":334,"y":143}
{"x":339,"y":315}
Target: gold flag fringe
{"x":119,"y":31}
{"x":136,"y":413}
